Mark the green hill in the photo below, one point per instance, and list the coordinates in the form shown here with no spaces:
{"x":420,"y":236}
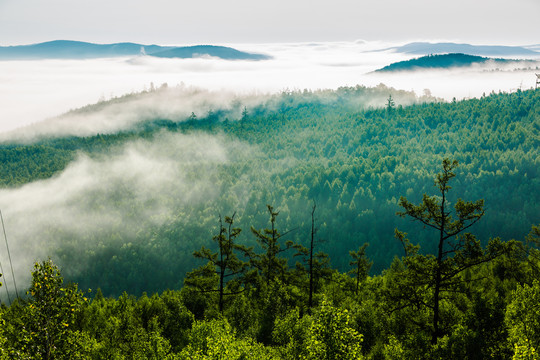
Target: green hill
{"x":329,"y":147}
{"x":221,"y":52}
{"x":447,"y":61}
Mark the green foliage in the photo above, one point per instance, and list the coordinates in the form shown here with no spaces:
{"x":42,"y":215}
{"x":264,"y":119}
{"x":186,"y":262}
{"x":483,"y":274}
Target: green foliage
{"x":361,"y":265}
{"x":291,"y":334}
{"x":355,"y":162}
{"x":426,"y":277}
{"x":331,"y":337}
{"x":313,"y":265}
{"x":531,"y":250}
{"x":443,"y":61}
{"x":325,"y":146}
{"x":3,"y":348}
{"x":523,"y":319}
{"x":47,"y":325}
{"x":223,"y":266}
{"x":147,"y":328}
{"x":271,"y":265}
{"x":269,"y":323}
{"x":393,"y":350}
{"x":215,"y":339}
{"x":523,"y":351}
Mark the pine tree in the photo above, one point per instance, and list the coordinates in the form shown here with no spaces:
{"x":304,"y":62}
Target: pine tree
{"x":269,"y":263}
{"x":361,"y":265}
{"x":456,"y":250}
{"x":318,"y":263}
{"x":222,"y":265}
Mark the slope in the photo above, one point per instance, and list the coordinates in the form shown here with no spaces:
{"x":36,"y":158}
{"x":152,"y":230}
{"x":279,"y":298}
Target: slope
{"x":294,"y":149}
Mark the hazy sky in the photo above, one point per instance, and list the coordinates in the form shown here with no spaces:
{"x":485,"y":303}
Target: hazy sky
{"x":248,"y":21}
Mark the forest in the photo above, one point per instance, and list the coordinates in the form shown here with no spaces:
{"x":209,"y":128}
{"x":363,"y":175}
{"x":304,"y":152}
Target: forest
{"x":292,"y":241}
{"x":448,"y":61}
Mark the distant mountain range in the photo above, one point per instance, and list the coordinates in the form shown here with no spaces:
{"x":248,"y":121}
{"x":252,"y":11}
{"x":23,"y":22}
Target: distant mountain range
{"x":66,"y":49}
{"x":448,"y":61}
{"x":425,"y":48}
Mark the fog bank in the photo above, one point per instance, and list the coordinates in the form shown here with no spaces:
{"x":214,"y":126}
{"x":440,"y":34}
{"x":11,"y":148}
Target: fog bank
{"x":32,"y":91}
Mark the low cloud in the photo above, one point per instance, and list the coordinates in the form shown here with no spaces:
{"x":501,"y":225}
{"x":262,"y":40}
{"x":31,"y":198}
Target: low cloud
{"x":119,"y":114}
{"x":460,"y":83}
{"x":32,"y":91}
{"x":139,"y":185}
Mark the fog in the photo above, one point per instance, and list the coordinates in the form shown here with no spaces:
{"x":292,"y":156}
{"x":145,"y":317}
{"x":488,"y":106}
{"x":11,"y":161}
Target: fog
{"x":137,"y":186}
{"x":32,"y":91}
{"x":121,"y":113}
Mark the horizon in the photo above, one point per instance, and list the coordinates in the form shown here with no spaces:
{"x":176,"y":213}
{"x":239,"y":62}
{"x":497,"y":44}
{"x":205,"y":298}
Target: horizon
{"x":226,"y":43}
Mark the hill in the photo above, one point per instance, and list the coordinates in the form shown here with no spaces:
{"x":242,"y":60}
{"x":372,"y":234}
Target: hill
{"x":139,"y":202}
{"x":221,"y":52}
{"x":426,"y":48}
{"x":447,"y":61}
{"x":65,"y":49}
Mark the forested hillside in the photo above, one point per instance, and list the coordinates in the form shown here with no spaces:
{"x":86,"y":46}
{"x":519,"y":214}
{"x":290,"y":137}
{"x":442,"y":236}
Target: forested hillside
{"x":297,"y":149}
{"x":252,"y":232}
{"x":469,"y":301}
{"x":449,"y":61}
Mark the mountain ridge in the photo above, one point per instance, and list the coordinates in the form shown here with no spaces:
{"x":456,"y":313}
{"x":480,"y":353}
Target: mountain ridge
{"x":426,"y":48}
{"x":70,"y":49}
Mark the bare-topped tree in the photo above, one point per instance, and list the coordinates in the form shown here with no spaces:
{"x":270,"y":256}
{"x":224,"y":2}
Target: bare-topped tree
{"x":270,"y":264}
{"x":221,"y":273}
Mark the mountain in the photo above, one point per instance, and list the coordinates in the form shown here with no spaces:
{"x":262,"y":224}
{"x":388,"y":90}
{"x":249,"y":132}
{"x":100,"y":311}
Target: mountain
{"x":66,"y":49}
{"x":222,"y":52}
{"x":425,"y":48}
{"x":447,"y":61}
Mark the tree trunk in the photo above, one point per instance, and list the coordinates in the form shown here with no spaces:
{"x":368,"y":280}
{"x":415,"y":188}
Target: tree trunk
{"x":436,"y":295}
{"x":310,"y":301}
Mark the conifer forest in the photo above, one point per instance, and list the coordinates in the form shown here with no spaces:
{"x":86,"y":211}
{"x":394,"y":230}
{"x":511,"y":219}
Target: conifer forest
{"x":355,"y":223}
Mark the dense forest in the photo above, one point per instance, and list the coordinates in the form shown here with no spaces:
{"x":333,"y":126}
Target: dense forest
{"x":448,"y":61}
{"x":469,"y":301}
{"x":278,"y":202}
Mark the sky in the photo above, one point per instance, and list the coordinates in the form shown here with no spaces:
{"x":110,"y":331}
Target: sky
{"x":179,"y":22}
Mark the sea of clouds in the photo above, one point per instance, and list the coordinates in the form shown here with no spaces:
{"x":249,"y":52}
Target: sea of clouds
{"x":32,"y":91}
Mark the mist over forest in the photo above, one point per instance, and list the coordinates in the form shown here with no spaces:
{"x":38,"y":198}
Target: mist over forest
{"x":35,"y":90}
{"x":250,"y":209}
{"x":134,"y":185}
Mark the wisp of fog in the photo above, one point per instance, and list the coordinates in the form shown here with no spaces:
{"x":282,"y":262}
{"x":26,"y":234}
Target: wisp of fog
{"x":123,"y":113}
{"x":135,"y":187}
